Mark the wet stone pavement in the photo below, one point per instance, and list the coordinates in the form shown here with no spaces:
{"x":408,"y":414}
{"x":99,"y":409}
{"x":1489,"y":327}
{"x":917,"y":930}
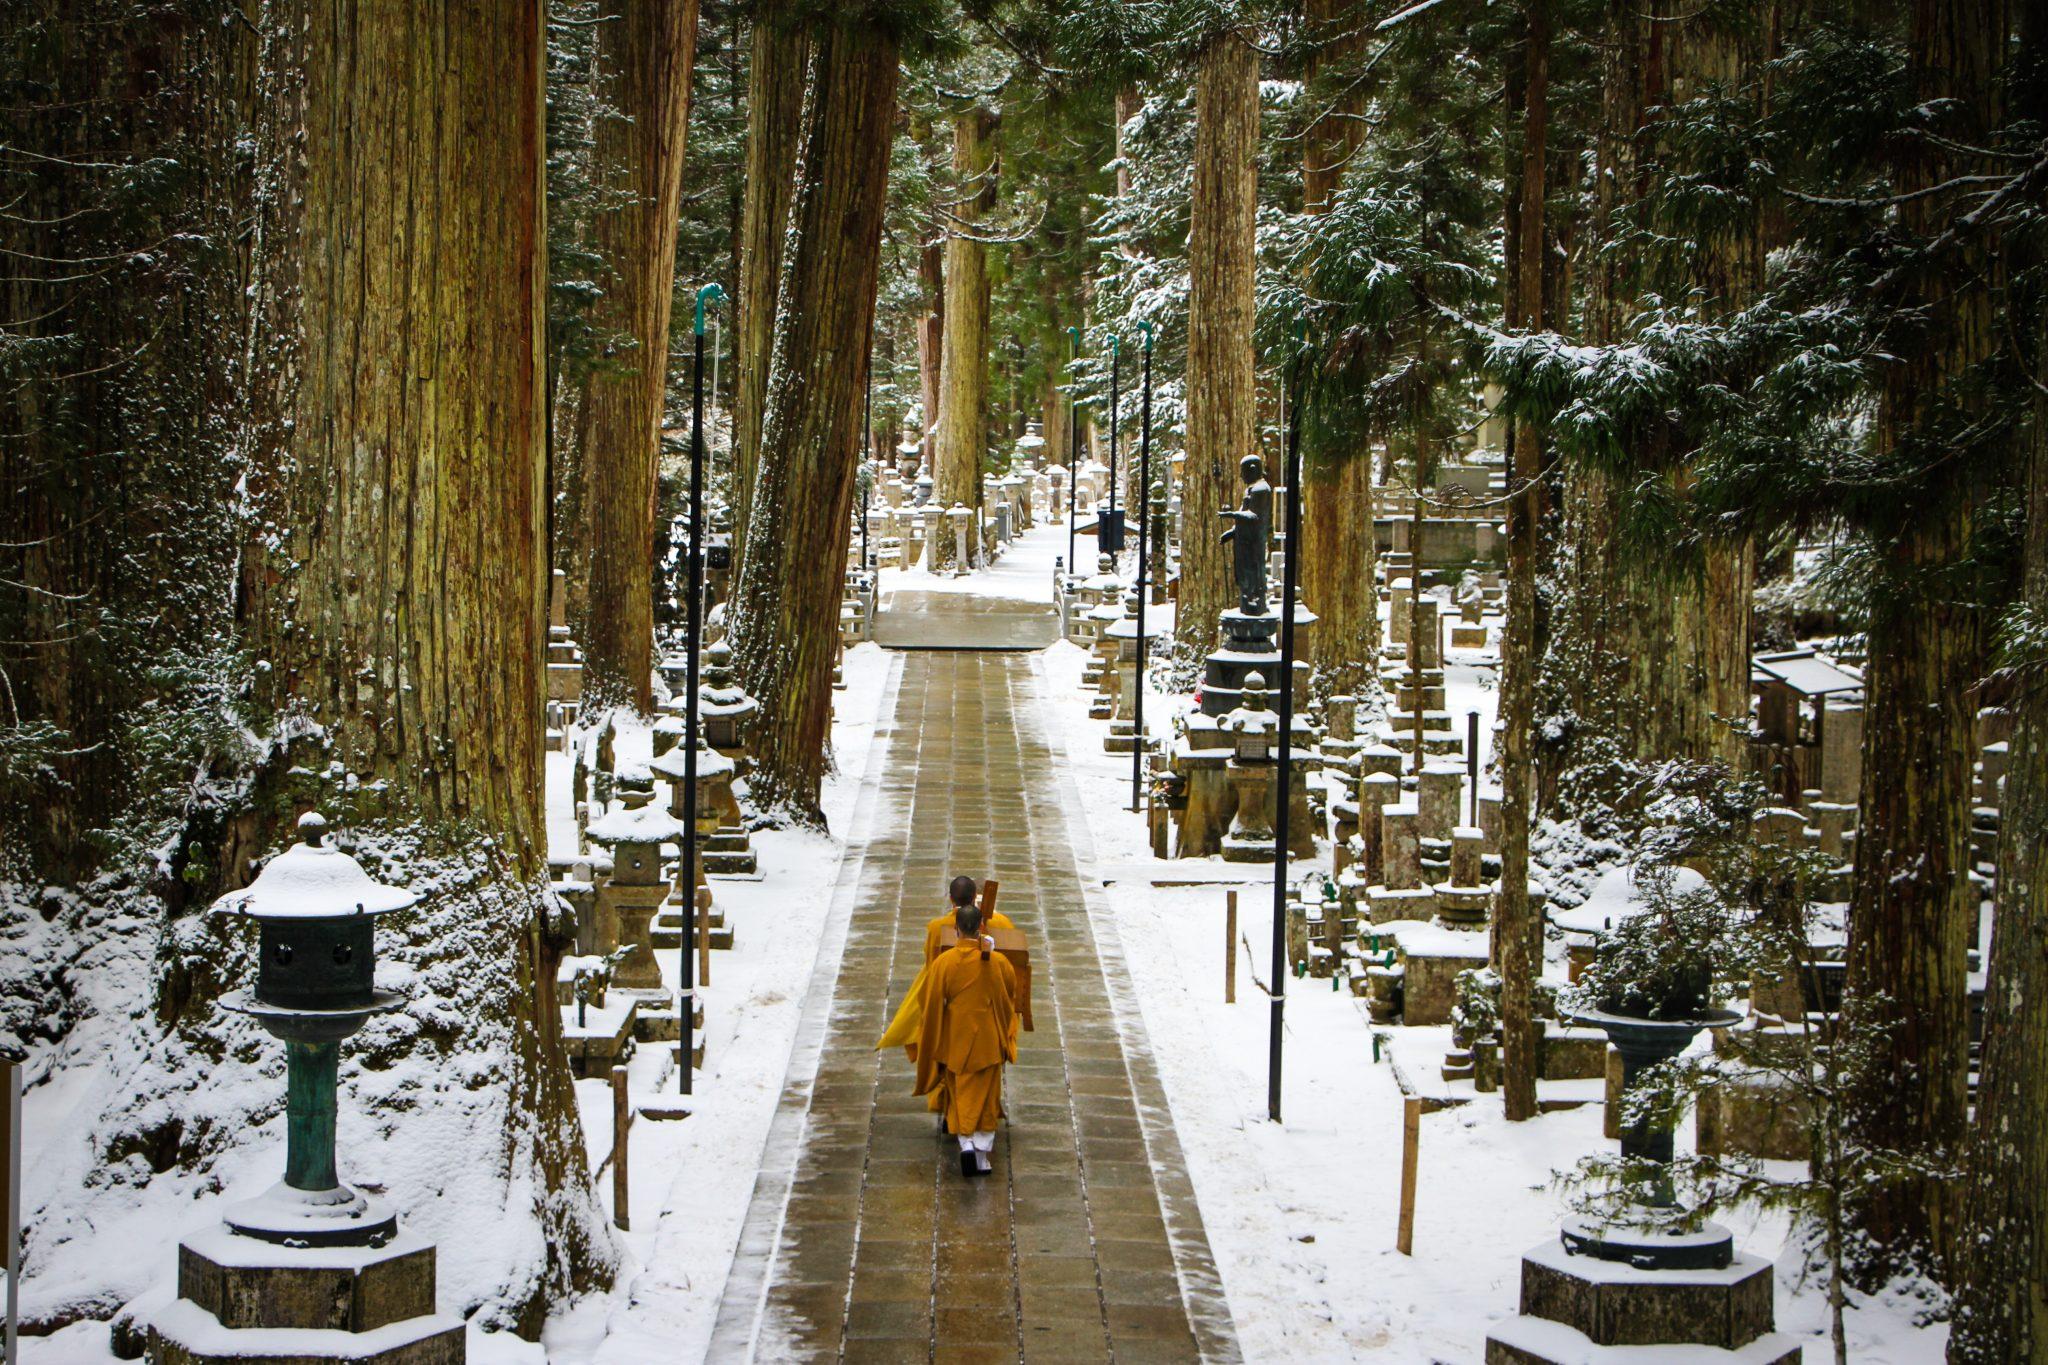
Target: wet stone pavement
{"x":863,"y":1241}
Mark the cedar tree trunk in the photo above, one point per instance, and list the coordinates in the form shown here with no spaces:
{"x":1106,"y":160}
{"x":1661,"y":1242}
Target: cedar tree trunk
{"x":2001,"y":1313}
{"x":645,"y":52}
{"x":396,"y":584}
{"x":786,"y":605}
{"x":963,"y":369}
{"x":1337,"y":546}
{"x":1913,"y":907}
{"x":1222,"y":417}
{"x":1518,"y":937}
{"x":775,"y":113}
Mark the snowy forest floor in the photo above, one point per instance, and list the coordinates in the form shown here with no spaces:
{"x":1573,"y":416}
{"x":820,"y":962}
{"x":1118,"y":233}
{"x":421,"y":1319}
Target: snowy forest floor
{"x":1300,"y":1215}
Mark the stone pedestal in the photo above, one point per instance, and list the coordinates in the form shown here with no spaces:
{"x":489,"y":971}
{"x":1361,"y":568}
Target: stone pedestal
{"x":1250,"y":839}
{"x":1438,"y":789}
{"x":1465,"y":900}
{"x":1251,"y":645}
{"x":1574,"y":1308}
{"x":636,"y":893}
{"x":255,"y":1303}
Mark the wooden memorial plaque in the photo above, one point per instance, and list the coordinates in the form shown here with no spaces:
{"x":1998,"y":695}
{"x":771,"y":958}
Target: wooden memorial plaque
{"x":1009,"y":942}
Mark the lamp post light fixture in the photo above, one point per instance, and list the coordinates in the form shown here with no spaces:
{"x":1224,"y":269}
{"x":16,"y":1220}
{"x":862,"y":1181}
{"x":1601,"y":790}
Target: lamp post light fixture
{"x":316,"y":911}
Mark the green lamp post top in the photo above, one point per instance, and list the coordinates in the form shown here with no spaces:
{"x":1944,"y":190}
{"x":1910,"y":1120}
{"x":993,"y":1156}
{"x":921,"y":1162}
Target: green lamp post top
{"x":709,"y":294}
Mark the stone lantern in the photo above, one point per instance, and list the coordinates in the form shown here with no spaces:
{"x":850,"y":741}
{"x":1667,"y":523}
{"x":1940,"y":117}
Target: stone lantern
{"x":1255,"y":732}
{"x":316,"y":911}
{"x":723,"y":707}
{"x":635,"y":892}
{"x":310,"y":1255}
{"x":961,"y":517}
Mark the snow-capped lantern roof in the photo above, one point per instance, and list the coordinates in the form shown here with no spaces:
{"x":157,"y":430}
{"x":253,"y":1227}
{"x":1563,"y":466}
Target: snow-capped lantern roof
{"x":647,"y":825}
{"x":710,"y":763}
{"x":313,"y":880}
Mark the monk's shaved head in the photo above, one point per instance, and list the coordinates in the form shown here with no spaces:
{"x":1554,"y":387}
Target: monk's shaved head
{"x":961,"y":892}
{"x":967,"y":919}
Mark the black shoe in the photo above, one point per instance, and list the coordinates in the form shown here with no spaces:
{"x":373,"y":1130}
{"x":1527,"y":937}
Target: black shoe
{"x":967,"y":1165}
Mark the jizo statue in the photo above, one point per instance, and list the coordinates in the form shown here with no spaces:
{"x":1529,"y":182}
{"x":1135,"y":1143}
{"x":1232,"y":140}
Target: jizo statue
{"x":1251,"y":536}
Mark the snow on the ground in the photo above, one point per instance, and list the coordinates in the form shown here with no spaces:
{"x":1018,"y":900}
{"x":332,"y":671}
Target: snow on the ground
{"x":1022,"y":571}
{"x":692,"y":1179}
{"x":1301,"y":1215}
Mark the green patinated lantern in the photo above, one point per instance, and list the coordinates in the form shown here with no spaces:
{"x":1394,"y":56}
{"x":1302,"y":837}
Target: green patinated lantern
{"x":315,"y":910}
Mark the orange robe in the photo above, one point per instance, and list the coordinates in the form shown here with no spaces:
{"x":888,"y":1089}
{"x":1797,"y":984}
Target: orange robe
{"x":996,"y":920}
{"x":970,"y":1030}
{"x":908,"y":1022}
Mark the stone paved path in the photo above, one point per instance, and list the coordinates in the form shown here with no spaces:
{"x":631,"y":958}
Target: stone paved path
{"x":863,"y":1242}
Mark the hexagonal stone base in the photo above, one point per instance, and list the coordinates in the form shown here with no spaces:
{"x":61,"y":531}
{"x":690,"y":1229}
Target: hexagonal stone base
{"x":1577,"y":1309}
{"x":242,"y":1283}
{"x":1532,"y":1341}
{"x":186,"y":1334}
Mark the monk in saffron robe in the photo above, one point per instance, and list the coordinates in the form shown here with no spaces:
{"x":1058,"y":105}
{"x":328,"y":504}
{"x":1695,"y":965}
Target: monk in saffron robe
{"x":908,"y":1025}
{"x":970,"y":1031}
{"x":961,"y":892}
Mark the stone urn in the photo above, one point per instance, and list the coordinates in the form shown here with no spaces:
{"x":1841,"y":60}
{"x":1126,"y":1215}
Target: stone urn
{"x":1653,"y":1240}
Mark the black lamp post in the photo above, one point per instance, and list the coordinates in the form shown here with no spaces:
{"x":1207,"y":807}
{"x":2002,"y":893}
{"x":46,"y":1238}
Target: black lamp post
{"x":1073,"y":445}
{"x":1286,"y":757}
{"x":315,"y":909}
{"x":1144,"y":482}
{"x":1109,"y":535}
{"x":693,"y":648}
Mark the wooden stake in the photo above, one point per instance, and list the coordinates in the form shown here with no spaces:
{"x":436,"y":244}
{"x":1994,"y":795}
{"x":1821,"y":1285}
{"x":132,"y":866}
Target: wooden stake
{"x":704,"y":935}
{"x":1230,"y":948}
{"x":622,"y":1127}
{"x":1411,"y":1135}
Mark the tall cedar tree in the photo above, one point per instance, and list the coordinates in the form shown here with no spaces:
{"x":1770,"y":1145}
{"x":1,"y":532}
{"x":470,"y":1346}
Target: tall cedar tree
{"x":2001,"y":1315}
{"x":396,"y":576}
{"x":775,"y":109}
{"x":119,"y":373}
{"x":1222,"y":421}
{"x":1338,"y":551}
{"x":1913,"y":904}
{"x":963,"y":367}
{"x":646,"y":51}
{"x":786,"y":605}
{"x":1517,"y":938}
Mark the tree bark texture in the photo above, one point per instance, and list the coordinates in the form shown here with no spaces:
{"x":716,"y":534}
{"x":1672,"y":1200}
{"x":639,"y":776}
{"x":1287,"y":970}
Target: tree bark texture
{"x":2002,"y":1303}
{"x":963,"y":368}
{"x":396,"y":577}
{"x":775,"y":115}
{"x":1518,"y":936}
{"x":645,"y":53}
{"x":2001,"y":1311}
{"x":1913,"y":907}
{"x":1221,"y":412}
{"x":1686,"y":634}
{"x":1337,"y":507}
{"x":786,"y":619}
{"x":119,"y":378}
